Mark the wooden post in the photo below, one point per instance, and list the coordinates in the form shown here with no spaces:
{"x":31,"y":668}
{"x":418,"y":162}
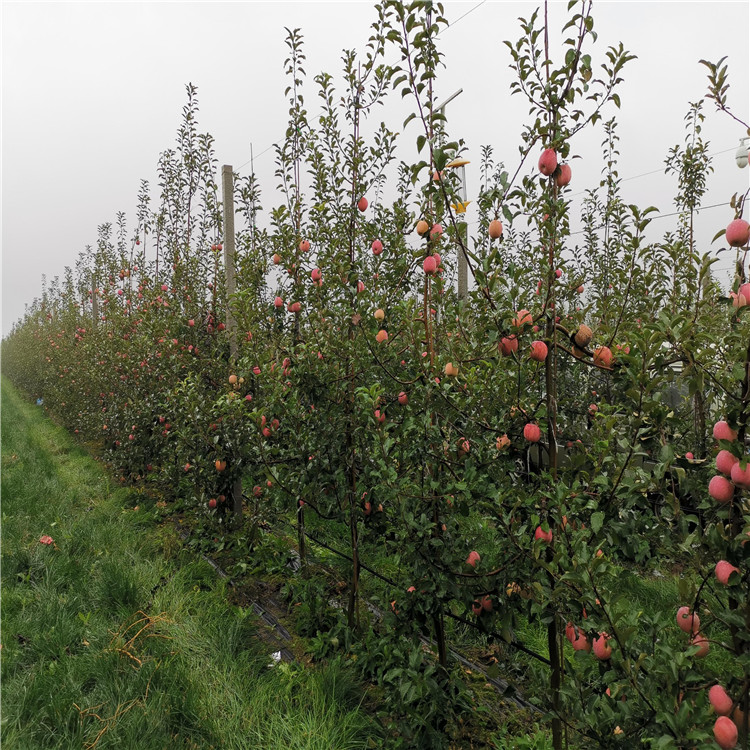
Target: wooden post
{"x":227,"y":184}
{"x":94,"y":301}
{"x":463,"y":266}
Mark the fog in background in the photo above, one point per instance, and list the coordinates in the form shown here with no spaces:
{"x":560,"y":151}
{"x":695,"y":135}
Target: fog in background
{"x":93,"y":92}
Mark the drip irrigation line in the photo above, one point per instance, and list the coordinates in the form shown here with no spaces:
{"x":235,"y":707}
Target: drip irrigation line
{"x":257,"y":608}
{"x":516,"y":644}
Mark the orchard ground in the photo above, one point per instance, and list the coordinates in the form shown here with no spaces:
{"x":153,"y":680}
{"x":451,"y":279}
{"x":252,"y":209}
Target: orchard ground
{"x":113,"y":637}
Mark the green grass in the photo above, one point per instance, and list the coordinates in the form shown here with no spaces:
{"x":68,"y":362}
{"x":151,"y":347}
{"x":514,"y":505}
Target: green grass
{"x":110,"y":642}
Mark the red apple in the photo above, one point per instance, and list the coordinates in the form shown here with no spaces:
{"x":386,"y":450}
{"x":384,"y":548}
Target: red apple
{"x":381,"y":336}
{"x":740,"y":476}
{"x":688,"y":621}
{"x":473,"y":558}
{"x":721,"y":489}
{"x":403,"y":399}
{"x":538,"y":351}
{"x":703,"y":645}
{"x":377,"y":247}
{"x":725,"y":733}
{"x":508,"y":345}
{"x":545,"y":536}
{"x":603,"y":356}
{"x":722,"y":431}
{"x":602,"y":649}
{"x":563,"y":176}
{"x":495,"y":229}
{"x":723,"y":570}
{"x":720,"y":701}
{"x":362,"y":204}
{"x":429,"y":265}
{"x":212,"y":502}
{"x":532,"y":433}
{"x":522,"y":318}
{"x":548,"y":162}
{"x":738,"y":233}
{"x":278,"y":303}
{"x":304,"y":246}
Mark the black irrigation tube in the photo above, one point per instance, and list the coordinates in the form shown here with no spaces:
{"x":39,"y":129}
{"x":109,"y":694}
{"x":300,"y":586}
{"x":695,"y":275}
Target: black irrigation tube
{"x":500,"y":685}
{"x":257,"y":608}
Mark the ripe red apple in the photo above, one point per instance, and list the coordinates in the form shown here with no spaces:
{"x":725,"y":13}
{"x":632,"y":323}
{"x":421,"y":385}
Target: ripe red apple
{"x":581,"y":643}
{"x":563,"y":176}
{"x":738,"y":233}
{"x":721,"y":489}
{"x":603,"y":356}
{"x":278,"y":303}
{"x":487,"y":603}
{"x":558,"y":273}
{"x":580,"y":289}
{"x":725,"y":733}
{"x":377,"y":247}
{"x":276,"y":259}
{"x":720,"y":701}
{"x":362,"y":204}
{"x":602,"y":649}
{"x":212,"y":503}
{"x":722,"y":431}
{"x":451,"y":370}
{"x":429,"y":265}
{"x":740,"y":476}
{"x":548,"y":162}
{"x":304,"y":246}
{"x":688,"y":621}
{"x":495,"y":229}
{"x":689,"y":456}
{"x":545,"y":536}
{"x":191,"y":322}
{"x":522,"y":318}
{"x":538,"y":351}
{"x":723,"y":570}
{"x":315,"y":274}
{"x":532,"y":433}
{"x":508,"y":345}
{"x":476,"y":608}
{"x":473,"y":558}
{"x":381,"y":336}
{"x":436,"y":231}
{"x":403,"y":399}
{"x":704,"y":646}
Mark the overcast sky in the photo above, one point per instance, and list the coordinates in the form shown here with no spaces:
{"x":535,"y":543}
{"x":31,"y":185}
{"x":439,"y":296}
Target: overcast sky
{"x":92,"y":93}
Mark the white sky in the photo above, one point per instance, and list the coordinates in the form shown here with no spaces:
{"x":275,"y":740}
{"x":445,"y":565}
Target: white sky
{"x":92,"y":93}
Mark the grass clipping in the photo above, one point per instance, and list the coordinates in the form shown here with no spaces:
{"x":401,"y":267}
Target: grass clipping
{"x":128,"y":642}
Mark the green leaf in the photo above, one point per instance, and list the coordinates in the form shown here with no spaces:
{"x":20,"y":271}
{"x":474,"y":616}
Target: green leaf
{"x":597,"y":520}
